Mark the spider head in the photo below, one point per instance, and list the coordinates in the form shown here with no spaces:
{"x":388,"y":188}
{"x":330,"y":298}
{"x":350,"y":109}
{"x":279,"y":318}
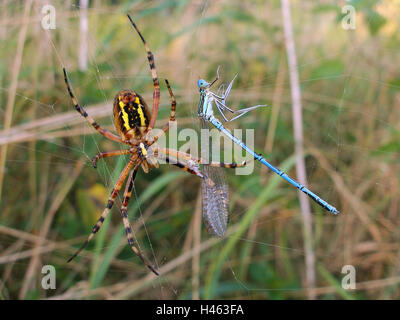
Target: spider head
{"x":202,"y":84}
{"x":127,"y":96}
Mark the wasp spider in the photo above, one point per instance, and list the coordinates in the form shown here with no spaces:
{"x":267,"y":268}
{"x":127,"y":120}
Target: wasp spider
{"x":134,"y":125}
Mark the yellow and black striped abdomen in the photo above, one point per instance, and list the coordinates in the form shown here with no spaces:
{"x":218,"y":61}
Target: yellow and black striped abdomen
{"x":131,"y":114}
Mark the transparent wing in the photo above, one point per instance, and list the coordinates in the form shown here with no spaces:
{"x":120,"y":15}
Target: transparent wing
{"x":215,"y":198}
{"x":215,"y":208}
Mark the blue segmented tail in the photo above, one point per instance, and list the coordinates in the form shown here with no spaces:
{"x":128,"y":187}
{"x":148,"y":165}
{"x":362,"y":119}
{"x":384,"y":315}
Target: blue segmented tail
{"x":260,"y":158}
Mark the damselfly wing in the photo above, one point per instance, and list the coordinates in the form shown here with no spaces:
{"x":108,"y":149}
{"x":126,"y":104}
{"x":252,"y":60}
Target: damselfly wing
{"x":215,"y":198}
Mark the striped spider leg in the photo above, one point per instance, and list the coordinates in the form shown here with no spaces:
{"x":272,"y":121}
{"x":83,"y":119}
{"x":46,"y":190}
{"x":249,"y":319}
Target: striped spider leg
{"x":156,"y":84}
{"x":188,"y":157}
{"x":215,"y":198}
{"x":212,"y":206}
{"x":127,"y":226}
{"x":89,"y":119}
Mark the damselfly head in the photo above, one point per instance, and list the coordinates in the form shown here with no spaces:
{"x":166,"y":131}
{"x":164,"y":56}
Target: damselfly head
{"x":202,"y":84}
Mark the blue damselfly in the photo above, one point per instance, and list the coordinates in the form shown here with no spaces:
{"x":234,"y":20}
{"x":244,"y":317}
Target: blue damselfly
{"x":206,"y":114}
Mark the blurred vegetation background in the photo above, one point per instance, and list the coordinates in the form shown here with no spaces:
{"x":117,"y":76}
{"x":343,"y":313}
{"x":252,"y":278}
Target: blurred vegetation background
{"x":51,"y":196}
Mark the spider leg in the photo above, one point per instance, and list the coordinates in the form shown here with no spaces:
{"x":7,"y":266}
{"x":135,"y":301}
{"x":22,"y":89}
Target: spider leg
{"x":191,"y":169}
{"x":88,"y":118}
{"x":102,"y":155}
{"x":173,"y":102}
{"x":114,"y":193}
{"x":124,"y":213}
{"x":172,"y":114}
{"x":173,"y":107}
{"x":195,"y":170}
{"x":188,"y":157}
{"x":156,"y":93}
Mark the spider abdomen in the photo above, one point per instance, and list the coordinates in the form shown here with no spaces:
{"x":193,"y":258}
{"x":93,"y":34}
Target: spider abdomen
{"x":131,"y":114}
